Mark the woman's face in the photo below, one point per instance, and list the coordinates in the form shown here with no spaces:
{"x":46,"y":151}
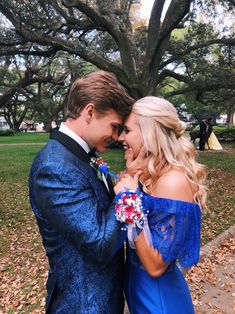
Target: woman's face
{"x":131,"y":136}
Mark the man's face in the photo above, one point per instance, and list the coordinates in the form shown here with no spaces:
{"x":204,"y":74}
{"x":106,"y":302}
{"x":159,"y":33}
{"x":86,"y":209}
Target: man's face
{"x":104,"y":128}
{"x":131,"y":136}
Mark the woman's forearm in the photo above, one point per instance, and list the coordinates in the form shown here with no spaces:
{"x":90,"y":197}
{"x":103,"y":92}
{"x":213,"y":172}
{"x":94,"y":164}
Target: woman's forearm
{"x":149,"y":257}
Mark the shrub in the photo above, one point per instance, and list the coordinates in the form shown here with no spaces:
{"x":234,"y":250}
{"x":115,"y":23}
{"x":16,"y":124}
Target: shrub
{"x":193,"y":128}
{"x":6,"y":132}
{"x":225,"y":133}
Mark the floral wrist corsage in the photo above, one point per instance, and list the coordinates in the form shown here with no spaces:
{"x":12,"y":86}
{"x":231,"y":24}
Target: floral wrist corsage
{"x":129,"y":209}
{"x":130,"y":212}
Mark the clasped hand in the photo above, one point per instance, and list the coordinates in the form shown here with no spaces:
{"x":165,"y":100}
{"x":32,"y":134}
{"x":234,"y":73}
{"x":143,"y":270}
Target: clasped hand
{"x":128,"y":182}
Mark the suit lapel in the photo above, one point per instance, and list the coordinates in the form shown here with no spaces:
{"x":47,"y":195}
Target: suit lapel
{"x":70,"y":144}
{"x":77,"y":150}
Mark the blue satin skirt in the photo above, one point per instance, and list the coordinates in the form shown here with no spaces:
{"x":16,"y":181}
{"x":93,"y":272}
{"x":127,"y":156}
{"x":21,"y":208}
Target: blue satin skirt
{"x":167,"y":294}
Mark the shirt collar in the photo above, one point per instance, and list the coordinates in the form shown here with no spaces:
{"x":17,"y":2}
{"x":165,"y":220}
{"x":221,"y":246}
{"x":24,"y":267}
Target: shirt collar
{"x":64,"y":129}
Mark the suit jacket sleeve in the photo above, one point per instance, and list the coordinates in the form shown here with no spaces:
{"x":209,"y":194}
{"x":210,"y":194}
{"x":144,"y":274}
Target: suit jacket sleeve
{"x":65,"y":197}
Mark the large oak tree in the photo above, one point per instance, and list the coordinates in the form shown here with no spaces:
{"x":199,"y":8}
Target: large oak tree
{"x":144,"y":56}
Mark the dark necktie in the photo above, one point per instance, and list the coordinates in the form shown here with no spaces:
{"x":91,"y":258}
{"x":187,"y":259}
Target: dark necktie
{"x":92,"y":153}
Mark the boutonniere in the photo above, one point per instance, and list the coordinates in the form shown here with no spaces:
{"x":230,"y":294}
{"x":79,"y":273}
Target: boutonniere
{"x":101,"y":167}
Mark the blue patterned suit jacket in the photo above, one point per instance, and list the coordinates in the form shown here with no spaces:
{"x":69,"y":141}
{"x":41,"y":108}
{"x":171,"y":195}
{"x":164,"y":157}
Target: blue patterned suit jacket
{"x":79,"y":231}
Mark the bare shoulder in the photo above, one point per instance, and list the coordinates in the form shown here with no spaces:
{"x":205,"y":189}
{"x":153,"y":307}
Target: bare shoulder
{"x":174,"y":185}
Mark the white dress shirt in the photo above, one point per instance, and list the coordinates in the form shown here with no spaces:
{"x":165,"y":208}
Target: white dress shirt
{"x":64,"y":129}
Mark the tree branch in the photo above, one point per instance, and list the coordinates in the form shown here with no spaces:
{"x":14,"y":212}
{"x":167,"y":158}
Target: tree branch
{"x":153,"y":31}
{"x":175,"y":13}
{"x":110,"y":25}
{"x":29,"y":78}
{"x":223,"y":41}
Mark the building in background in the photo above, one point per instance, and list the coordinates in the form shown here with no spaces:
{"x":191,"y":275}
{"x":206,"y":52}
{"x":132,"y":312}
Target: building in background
{"x":3,"y":123}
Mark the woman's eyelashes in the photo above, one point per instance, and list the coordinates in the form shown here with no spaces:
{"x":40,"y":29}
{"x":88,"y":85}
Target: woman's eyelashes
{"x":126,"y":129}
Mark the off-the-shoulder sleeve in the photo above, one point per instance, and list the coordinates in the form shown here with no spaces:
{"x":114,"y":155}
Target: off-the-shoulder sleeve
{"x":175,"y":229}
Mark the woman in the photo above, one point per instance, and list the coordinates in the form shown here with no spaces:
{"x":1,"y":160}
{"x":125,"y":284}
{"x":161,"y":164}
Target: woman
{"x":163,"y":218}
{"x":213,"y":142}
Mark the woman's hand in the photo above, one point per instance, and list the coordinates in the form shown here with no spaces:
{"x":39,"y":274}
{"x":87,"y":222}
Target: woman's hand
{"x":128,"y":182}
{"x":140,"y":163}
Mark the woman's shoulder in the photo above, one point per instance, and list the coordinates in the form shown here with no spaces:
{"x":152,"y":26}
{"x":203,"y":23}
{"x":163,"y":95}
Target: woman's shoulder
{"x":174,"y":185}
{"x":157,"y":201}
{"x":167,"y":206}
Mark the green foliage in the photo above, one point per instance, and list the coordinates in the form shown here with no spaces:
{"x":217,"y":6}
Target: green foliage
{"x":226,"y":133}
{"x":188,"y":106}
{"x":6,"y":132}
{"x":200,"y":111}
{"x":223,"y":133}
{"x":209,"y":87}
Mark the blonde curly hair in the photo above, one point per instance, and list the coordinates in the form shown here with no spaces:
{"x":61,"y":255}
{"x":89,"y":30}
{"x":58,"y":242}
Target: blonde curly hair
{"x":162,"y":133}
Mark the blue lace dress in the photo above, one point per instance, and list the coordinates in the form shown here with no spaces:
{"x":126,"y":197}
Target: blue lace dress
{"x":175,"y":231}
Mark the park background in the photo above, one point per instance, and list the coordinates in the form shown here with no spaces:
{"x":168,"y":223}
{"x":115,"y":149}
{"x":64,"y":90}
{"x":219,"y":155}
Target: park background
{"x":23,"y":264}
{"x":180,"y":49}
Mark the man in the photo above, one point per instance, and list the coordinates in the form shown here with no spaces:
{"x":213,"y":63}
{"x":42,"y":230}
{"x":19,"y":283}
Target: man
{"x":205,"y":132}
{"x":72,"y":206}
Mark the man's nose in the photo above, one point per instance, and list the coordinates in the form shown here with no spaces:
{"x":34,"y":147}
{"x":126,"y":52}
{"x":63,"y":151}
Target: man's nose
{"x":115,"y":135}
{"x":120,"y":137}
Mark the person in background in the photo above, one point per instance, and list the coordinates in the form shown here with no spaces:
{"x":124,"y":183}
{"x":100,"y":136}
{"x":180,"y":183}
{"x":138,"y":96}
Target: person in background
{"x":205,"y":132}
{"x":159,"y":201}
{"x":73,"y":206}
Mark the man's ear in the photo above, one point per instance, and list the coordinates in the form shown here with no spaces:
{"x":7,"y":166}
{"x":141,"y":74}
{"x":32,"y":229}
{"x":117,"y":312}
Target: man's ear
{"x":89,"y":112}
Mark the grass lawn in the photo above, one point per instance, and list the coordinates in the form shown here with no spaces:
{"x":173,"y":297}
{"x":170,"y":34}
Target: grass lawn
{"x":28,"y":137}
{"x":22,"y":260}
{"x":219,"y":159}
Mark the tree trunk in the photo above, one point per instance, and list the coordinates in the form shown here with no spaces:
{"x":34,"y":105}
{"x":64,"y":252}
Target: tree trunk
{"x":16,"y":126}
{"x":8,"y":120}
{"x":230,"y":116}
{"x":47,"y":126}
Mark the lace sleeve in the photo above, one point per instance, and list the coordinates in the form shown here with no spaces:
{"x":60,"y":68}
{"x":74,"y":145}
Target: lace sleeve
{"x":175,"y":229}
